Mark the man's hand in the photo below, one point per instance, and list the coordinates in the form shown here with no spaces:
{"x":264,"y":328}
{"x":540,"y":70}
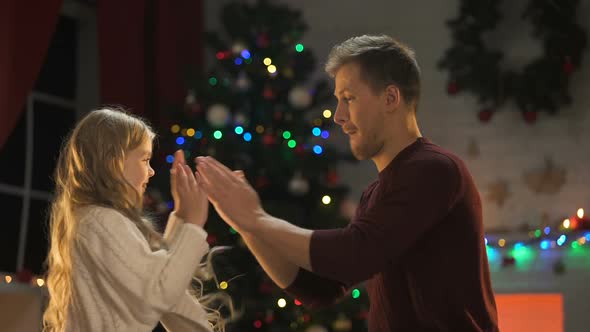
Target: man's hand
{"x":233,"y":198}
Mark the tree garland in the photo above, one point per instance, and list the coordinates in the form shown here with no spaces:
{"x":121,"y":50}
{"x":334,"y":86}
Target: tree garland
{"x":542,"y":85}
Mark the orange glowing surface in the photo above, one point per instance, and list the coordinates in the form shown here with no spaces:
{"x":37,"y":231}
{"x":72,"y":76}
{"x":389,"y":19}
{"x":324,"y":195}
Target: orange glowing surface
{"x":530,"y":312}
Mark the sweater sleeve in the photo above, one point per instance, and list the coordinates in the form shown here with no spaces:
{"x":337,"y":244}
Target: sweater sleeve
{"x":126,"y":264}
{"x":187,"y":315}
{"x":421,"y":196}
{"x":314,"y":291}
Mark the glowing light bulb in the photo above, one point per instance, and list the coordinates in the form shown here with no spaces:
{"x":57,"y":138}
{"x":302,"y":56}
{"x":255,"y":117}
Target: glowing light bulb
{"x":8,"y":279}
{"x":327,"y":114}
{"x":271,"y":69}
{"x":501,"y":242}
{"x":566,"y":223}
{"x":580,"y":213}
{"x":223,"y":285}
{"x":175,"y":129}
{"x":282,"y":303}
{"x":267,"y":61}
{"x":190,"y":132}
{"x":40,"y":282}
{"x":326,"y":199}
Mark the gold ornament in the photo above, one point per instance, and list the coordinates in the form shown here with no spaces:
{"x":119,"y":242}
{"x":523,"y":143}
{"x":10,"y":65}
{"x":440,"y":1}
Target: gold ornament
{"x":546,"y":180}
{"x":498,"y":192}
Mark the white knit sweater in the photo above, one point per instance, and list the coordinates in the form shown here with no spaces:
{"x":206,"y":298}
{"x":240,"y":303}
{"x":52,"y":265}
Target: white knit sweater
{"x":121,"y":285}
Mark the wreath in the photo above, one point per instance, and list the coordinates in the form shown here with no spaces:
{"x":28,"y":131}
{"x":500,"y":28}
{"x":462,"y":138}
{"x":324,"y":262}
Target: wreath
{"x":542,"y":85}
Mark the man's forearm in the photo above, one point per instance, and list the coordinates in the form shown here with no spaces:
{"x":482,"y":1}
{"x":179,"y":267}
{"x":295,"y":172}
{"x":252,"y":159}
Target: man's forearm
{"x":279,"y":268}
{"x":288,"y":241}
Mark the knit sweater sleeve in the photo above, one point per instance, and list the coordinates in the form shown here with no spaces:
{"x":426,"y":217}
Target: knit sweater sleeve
{"x":140,"y":277}
{"x":188,"y":315}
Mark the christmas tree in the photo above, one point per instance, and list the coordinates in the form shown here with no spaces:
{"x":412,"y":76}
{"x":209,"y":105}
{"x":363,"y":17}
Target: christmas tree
{"x":255,"y":110}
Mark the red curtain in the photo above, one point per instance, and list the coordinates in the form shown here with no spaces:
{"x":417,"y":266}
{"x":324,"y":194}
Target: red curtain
{"x":26,"y":28}
{"x":145,"y":48}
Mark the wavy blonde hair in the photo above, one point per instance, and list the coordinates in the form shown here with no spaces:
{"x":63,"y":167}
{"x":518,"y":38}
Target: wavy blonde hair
{"x":90,"y":172}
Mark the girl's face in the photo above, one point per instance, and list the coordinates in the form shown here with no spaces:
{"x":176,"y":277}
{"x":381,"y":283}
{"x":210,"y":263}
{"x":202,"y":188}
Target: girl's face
{"x":137,"y":166}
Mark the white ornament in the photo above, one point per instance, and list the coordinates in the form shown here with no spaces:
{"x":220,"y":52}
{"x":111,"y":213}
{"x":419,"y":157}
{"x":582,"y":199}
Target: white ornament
{"x":238,"y":47}
{"x":342,"y":324}
{"x":190,"y":97}
{"x":298,"y":185}
{"x":316,"y":328}
{"x":241,"y":119}
{"x":218,"y":115}
{"x":243,"y":82}
{"x":299,"y":97}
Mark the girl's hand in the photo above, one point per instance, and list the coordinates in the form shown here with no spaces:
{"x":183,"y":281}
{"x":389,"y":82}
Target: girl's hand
{"x":190,"y":202}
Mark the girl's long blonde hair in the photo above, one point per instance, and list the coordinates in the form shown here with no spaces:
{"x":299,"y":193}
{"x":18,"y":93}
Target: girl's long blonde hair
{"x":90,"y":172}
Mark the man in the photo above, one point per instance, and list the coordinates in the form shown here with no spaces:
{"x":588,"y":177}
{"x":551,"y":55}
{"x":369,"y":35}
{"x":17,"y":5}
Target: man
{"x":417,"y":236}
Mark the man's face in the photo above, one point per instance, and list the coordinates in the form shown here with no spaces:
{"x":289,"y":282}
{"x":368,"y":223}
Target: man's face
{"x":359,"y":112}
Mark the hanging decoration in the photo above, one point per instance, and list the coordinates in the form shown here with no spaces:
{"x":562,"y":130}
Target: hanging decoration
{"x":542,"y":85}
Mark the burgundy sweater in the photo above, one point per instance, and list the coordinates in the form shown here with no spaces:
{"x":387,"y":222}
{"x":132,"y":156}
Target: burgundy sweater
{"x":417,"y":239}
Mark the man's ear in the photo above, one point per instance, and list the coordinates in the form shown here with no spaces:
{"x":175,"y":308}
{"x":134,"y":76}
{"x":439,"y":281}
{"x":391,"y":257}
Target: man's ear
{"x":393,"y":97}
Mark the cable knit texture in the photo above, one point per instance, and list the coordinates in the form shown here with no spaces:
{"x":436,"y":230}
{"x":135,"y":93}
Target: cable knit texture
{"x":120,"y":284}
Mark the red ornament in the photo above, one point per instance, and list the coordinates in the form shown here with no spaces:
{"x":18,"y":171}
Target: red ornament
{"x":278,"y":115}
{"x":452,"y":88}
{"x":262,"y":182}
{"x":299,"y":149}
{"x":265,"y":287}
{"x":211,"y":239}
{"x":269,"y":139}
{"x":568,"y":67}
{"x":194,"y":108}
{"x":485,"y":115}
{"x":508,"y":261}
{"x":269,"y":318}
{"x":262,"y":40}
{"x":268,"y":93}
{"x":332,"y":177}
{"x":530,"y":117}
{"x":24,"y":276}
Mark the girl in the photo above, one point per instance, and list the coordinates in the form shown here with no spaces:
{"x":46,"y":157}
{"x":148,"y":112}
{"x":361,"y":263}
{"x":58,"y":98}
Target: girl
{"x":108,"y":269}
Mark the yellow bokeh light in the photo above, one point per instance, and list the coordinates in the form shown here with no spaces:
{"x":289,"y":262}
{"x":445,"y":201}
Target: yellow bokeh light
{"x":326,"y":199}
{"x":267,"y":61}
{"x":580,"y":213}
{"x":223,"y":285}
{"x":271,"y":69}
{"x":40,"y":282}
{"x":317,"y":122}
{"x":8,"y":279}
{"x":501,"y":242}
{"x":327,"y":114}
{"x":282,"y":303}
{"x":190,"y":132}
{"x":175,"y":129}
{"x":566,"y":223}
{"x":260,"y":129}
{"x":183,"y":132}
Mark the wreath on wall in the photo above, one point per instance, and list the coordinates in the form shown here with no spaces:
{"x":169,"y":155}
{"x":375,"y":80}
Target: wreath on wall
{"x":542,"y":85}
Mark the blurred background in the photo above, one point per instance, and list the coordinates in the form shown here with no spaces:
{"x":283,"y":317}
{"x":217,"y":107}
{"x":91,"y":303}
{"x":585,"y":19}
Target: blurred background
{"x":504,"y":87}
